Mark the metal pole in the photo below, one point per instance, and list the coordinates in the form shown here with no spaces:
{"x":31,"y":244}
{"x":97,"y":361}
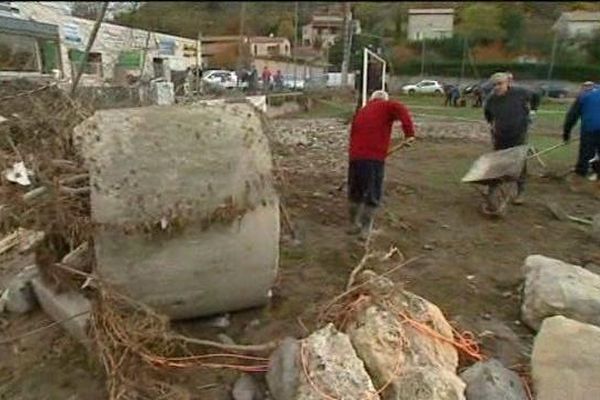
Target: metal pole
{"x":88,"y":48}
{"x":462,"y":65}
{"x":422,"y":56}
{"x":364,"y":77}
{"x":554,"y":46}
{"x":346,"y":38}
{"x":198,"y":61}
{"x":295,"y":42}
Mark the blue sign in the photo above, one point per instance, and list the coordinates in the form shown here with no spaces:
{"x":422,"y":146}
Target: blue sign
{"x":166,"y":47}
{"x":71,"y":32}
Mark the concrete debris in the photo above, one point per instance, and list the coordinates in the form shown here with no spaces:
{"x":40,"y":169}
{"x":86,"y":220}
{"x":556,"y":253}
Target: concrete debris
{"x":490,"y":380}
{"x":566,"y":360}
{"x":418,"y":366}
{"x":71,"y":309}
{"x":162,"y":93}
{"x":331,"y":365}
{"x":18,"y":297}
{"x":216,"y":191}
{"x":553,"y":287}
{"x":222,"y":321}
{"x":2,"y":119}
{"x":246,"y":388}
{"x":19,"y":174}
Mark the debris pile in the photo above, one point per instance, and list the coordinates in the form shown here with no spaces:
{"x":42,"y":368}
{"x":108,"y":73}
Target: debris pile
{"x":53,"y":195}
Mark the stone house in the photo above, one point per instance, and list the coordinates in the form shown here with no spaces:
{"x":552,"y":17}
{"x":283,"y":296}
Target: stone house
{"x":432,"y":23}
{"x":325,"y":27}
{"x":577,"y":24}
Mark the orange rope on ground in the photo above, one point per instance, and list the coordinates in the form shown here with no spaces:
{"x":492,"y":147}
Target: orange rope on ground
{"x":465,"y":342}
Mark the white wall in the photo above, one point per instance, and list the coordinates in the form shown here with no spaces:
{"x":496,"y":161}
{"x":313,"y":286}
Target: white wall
{"x":110,"y":41}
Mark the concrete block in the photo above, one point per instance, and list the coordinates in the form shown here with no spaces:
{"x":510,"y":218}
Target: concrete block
{"x":184,"y":202}
{"x":62,"y":306}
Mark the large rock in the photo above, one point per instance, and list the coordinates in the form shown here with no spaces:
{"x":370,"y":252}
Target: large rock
{"x":322,"y":364}
{"x":18,"y":297}
{"x":553,"y":287}
{"x":183,"y":198}
{"x":490,"y":380}
{"x":71,"y":309}
{"x":566,"y":360}
{"x":417,"y":366}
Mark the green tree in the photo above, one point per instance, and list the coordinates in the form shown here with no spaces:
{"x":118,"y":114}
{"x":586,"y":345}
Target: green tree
{"x":359,"y":42}
{"x":286,"y":29}
{"x":480,"y":22}
{"x":512,"y":22}
{"x":592,"y":46}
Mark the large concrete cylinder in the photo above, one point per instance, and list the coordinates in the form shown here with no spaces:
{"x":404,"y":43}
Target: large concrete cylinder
{"x":187,"y":216}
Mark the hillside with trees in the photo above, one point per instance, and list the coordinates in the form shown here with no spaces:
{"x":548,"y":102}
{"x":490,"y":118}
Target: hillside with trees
{"x":485,"y":32}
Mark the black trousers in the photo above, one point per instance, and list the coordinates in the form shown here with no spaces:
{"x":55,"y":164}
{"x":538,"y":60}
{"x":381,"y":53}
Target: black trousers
{"x":589,"y":145}
{"x":365,"y":181}
{"x":502,"y":143}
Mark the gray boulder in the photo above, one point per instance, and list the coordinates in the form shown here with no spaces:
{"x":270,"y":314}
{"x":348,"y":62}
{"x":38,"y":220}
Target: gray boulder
{"x":412,"y":364}
{"x":246,"y":388}
{"x":490,"y":380}
{"x":553,"y":287}
{"x":18,"y":297}
{"x":323,"y":363}
{"x":566,"y":360}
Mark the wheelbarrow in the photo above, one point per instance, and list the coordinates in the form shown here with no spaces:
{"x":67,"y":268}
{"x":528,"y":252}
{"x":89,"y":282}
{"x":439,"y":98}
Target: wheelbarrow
{"x":497,"y":173}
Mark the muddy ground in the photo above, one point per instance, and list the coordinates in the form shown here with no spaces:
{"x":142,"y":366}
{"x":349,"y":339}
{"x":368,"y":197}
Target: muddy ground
{"x":469,"y":265}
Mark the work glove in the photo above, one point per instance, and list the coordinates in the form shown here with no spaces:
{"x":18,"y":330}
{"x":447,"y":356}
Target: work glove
{"x":410,"y":140}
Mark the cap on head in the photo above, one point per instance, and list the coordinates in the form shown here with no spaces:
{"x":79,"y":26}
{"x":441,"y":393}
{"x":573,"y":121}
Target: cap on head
{"x":380,"y":95}
{"x":499,"y":77}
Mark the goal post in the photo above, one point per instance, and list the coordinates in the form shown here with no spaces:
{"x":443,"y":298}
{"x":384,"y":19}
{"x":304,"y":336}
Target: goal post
{"x":365,"y":72}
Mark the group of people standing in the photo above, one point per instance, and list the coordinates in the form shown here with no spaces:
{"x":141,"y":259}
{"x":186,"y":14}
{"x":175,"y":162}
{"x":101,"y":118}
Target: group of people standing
{"x":270,"y":81}
{"x":508,"y":109}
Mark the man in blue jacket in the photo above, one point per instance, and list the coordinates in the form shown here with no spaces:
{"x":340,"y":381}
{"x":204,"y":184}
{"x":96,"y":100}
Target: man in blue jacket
{"x":586,"y":107}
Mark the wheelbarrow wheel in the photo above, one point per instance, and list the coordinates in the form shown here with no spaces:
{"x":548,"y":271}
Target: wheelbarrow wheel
{"x":497,"y":198}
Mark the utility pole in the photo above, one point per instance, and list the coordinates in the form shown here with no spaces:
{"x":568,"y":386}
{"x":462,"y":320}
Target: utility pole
{"x":295,"y":51}
{"x":347,"y":45}
{"x":198,"y":61}
{"x":462,"y":65}
{"x":241,"y":43}
{"x":422,"y":57}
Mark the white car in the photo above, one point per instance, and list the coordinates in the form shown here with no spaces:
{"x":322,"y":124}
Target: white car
{"x":222,"y":78}
{"x":424,"y":87}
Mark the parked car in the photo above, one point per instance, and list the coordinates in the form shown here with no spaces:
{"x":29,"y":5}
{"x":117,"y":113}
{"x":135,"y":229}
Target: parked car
{"x":424,"y":87}
{"x":221,"y":78}
{"x":553,"y":90}
{"x":485,"y":85}
{"x":288,"y":82}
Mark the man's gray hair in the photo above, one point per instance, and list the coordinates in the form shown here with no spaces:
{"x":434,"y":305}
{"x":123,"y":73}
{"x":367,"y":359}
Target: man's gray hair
{"x":380,"y":95}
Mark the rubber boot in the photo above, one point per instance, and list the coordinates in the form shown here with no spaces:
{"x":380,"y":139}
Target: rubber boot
{"x":355,"y":210}
{"x":366,"y":222}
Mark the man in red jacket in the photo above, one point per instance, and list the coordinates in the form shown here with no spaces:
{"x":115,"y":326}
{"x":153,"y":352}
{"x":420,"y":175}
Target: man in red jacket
{"x":369,"y":143}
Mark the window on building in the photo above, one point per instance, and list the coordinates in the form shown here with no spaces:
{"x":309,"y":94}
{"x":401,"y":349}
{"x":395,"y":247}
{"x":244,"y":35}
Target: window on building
{"x":92,"y":66}
{"x":273,"y":50}
{"x":18,"y":53}
{"x":50,"y":55}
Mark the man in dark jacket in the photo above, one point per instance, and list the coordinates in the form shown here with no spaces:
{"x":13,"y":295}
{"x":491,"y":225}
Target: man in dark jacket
{"x":508,"y":110}
{"x":370,"y":136}
{"x":586,"y":107}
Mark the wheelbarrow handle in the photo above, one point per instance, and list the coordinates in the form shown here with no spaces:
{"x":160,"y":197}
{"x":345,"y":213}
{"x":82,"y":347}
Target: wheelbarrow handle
{"x":549,"y":149}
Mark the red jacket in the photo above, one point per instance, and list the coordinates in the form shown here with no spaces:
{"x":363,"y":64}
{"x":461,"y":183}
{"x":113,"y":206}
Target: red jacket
{"x":372,"y":128}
